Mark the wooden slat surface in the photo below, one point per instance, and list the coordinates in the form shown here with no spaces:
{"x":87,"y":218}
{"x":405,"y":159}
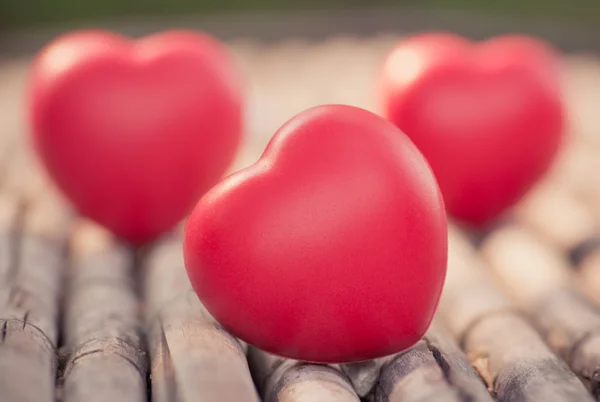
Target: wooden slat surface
{"x":570,"y":199}
{"x":33,"y":245}
{"x":192,"y":357}
{"x":539,"y":281}
{"x":83,"y":318}
{"x":434,"y":370}
{"x":29,"y":313}
{"x":102,"y":323}
{"x":284,"y":380}
{"x":508,"y":353}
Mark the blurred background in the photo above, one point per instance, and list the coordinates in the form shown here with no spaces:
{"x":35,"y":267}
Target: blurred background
{"x":570,"y":24}
{"x":25,"y":13}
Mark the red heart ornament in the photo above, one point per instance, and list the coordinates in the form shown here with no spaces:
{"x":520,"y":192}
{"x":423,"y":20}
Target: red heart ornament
{"x":134,"y":132}
{"x":489,"y":117}
{"x":331,"y":248}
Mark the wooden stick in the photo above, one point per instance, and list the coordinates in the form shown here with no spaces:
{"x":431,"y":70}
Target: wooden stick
{"x":578,"y":213}
{"x":455,"y":365}
{"x":508,"y":353}
{"x":583,"y":78}
{"x":436,"y":363}
{"x":566,"y":222}
{"x":586,"y":256}
{"x":558,"y":216}
{"x":415,"y":376}
{"x":588,"y":276}
{"x":538,"y":279}
{"x":24,"y":178}
{"x":29,"y":317}
{"x":192,"y":357}
{"x":434,"y":370}
{"x":101,"y":326}
{"x":469,"y":294}
{"x":364,"y":375}
{"x":9,"y":214}
{"x":13,"y":77}
{"x":284,"y":380}
{"x":576,"y":175}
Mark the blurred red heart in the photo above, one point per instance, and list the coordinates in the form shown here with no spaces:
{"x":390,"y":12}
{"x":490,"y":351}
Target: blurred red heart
{"x":331,"y":248}
{"x":488,"y":117}
{"x":134,"y":133}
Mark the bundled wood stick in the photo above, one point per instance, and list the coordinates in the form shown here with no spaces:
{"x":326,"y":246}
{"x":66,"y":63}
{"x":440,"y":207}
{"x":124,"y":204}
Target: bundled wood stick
{"x":192,"y":357}
{"x":579,"y":179}
{"x":364,"y":375}
{"x":457,"y":369}
{"x":285,"y":380}
{"x":23,"y":175}
{"x":415,"y":376}
{"x":508,"y":353}
{"x":102,"y":323}
{"x":434,"y":370}
{"x":538,"y":279}
{"x":558,"y":216}
{"x":29,"y":313}
{"x":576,"y":174}
{"x":588,"y":263}
{"x":12,"y":98}
{"x":561,"y":219}
{"x":583,"y":86}
{"x":9,"y":214}
{"x":565,"y":211}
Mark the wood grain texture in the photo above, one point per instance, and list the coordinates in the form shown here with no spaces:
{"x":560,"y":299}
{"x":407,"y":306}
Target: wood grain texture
{"x":24,"y":177}
{"x":364,"y":375}
{"x":13,"y":75}
{"x":9,"y":219}
{"x":538,"y":278}
{"x":575,"y":173}
{"x":415,"y":376}
{"x":284,"y":380}
{"x":192,"y":357}
{"x":29,"y":314}
{"x":102,"y":326}
{"x":557,"y":216}
{"x":457,"y":369}
{"x":507,"y":352}
{"x":588,"y":276}
{"x":436,"y":369}
{"x":33,"y":226}
{"x":565,"y":213}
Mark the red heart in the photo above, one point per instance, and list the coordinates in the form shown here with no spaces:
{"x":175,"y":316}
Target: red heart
{"x":488,"y":117}
{"x":331,"y":248}
{"x":134,"y":133}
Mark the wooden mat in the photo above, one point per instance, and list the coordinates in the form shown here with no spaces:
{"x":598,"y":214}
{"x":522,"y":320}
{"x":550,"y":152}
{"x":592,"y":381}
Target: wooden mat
{"x":85,"y":319}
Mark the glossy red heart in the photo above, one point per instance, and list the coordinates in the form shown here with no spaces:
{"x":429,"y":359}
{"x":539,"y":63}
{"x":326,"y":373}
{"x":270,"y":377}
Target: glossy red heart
{"x":489,"y":117}
{"x":134,"y":132}
{"x":331,"y":248}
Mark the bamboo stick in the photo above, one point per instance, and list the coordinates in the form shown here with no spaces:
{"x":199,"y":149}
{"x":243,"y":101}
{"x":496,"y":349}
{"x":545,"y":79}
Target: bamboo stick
{"x":284,"y":380}
{"x":102,"y":323}
{"x":192,"y":357}
{"x":30,"y":309}
{"x":508,"y":353}
{"x":539,"y":280}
